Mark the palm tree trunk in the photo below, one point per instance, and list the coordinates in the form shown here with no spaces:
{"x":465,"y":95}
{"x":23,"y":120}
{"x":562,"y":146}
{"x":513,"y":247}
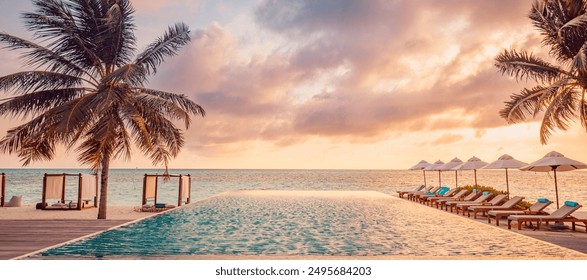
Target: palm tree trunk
{"x":104,"y":187}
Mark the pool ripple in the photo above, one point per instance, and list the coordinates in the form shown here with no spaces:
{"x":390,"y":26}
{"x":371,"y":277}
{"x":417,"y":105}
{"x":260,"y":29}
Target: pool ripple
{"x":309,"y":223}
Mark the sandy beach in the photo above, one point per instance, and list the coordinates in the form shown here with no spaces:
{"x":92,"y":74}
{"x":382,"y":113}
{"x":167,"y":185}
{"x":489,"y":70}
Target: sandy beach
{"x":28,"y":212}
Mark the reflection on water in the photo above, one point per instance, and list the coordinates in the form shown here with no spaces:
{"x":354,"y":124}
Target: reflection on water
{"x":307,"y":223}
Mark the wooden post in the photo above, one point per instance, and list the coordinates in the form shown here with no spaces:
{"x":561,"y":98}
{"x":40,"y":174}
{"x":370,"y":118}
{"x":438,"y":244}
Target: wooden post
{"x":79,"y":191}
{"x":189,"y":189}
{"x":180,"y":189}
{"x":96,"y":196}
{"x":3,"y":194}
{"x":44,"y":199}
{"x":156,"y":188}
{"x":63,"y":190}
{"x":145,"y":190}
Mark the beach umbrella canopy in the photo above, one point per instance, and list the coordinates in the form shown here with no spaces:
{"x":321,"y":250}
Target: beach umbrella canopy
{"x":435,"y":167}
{"x":450,"y":165}
{"x":420,"y":166}
{"x":473,"y":163}
{"x":554,"y":161}
{"x":505,"y":162}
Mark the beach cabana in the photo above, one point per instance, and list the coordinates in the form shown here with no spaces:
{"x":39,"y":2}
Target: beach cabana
{"x":151,"y":185}
{"x":54,"y":188}
{"x":2,"y":189}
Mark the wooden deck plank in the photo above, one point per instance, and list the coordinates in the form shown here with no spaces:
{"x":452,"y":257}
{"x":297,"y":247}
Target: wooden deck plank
{"x":20,"y":237}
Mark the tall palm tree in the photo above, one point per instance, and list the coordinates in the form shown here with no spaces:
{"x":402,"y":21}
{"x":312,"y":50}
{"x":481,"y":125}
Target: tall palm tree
{"x":86,"y":91}
{"x":560,"y":93}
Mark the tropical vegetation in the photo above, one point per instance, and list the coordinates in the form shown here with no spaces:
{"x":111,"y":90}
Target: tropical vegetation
{"x":86,"y":88}
{"x":560,"y":91}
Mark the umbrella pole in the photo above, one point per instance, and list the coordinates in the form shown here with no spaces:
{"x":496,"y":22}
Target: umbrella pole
{"x":475,"y":171}
{"x":424,"y":171}
{"x":456,"y":180}
{"x":555,"y":186}
{"x":507,"y":183}
{"x":439,"y":179}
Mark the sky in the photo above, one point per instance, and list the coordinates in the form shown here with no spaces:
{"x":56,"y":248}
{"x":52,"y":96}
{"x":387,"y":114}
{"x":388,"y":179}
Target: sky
{"x":335,"y":84}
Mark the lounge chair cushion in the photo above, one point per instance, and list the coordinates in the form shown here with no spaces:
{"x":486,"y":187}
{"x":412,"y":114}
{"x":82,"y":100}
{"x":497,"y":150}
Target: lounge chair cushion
{"x":543,"y":200}
{"x":571,"y":203}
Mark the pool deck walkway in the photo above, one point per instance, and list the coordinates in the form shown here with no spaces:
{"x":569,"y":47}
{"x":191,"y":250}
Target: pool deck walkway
{"x":20,"y":237}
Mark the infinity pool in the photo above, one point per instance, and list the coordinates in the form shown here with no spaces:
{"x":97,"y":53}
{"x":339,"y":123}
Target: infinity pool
{"x":283,"y":224}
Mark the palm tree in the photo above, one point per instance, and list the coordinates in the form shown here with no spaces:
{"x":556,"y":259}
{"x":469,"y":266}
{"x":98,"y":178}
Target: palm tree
{"x":560,"y":90}
{"x":86,"y":91}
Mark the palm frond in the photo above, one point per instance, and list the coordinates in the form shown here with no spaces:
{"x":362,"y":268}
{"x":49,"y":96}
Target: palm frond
{"x":176,"y":37}
{"x":179,"y":99}
{"x":102,"y":140}
{"x":527,"y":103}
{"x":55,"y":23}
{"x":558,"y":114}
{"x":523,"y":66}
{"x":38,"y":102}
{"x":38,"y":56}
{"x":130,"y":74}
{"x":31,"y":81}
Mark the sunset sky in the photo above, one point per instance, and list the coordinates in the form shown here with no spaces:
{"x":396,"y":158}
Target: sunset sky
{"x":336,"y":84}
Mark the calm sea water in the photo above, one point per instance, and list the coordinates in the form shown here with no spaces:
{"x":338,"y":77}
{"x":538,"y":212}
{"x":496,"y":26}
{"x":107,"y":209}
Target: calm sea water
{"x":126,"y":184}
{"x":307,"y":223}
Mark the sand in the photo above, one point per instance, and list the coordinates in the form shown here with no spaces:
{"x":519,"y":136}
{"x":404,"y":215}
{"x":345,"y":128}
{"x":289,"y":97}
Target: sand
{"x":28,"y":212}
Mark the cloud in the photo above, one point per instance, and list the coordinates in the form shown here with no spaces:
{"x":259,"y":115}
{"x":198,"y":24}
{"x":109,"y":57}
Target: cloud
{"x":447,"y":139}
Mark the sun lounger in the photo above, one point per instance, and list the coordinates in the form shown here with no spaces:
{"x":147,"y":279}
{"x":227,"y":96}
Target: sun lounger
{"x":536,"y":209}
{"x":483,"y":209}
{"x":439,"y":201}
{"x":562,"y":214}
{"x":431,"y":201}
{"x":470,"y":197}
{"x":415,"y":196}
{"x":403,"y":192}
{"x":408,"y":194}
{"x":452,"y":204}
{"x":494,"y":201}
{"x":442,"y":192}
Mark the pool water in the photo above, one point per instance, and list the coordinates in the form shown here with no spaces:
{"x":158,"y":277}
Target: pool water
{"x":306,"y":224}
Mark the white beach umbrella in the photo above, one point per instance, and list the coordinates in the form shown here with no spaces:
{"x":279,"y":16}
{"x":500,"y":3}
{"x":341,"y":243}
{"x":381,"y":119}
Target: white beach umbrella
{"x":505,"y":162}
{"x":450,"y":165}
{"x":434,"y":167}
{"x":554,"y":161}
{"x":473,"y":163}
{"x":420,"y":166}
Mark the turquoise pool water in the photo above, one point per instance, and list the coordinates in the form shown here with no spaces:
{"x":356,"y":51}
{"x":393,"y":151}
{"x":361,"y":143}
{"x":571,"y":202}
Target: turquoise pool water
{"x":307,"y":223}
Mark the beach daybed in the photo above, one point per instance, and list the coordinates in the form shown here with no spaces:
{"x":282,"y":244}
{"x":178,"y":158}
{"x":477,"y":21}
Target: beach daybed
{"x":151,"y":186}
{"x":423,"y":190}
{"x":535,"y":209}
{"x":403,"y":192}
{"x":2,"y":189}
{"x":54,"y":188}
{"x":562,"y":214}
{"x":452,"y":204}
{"x":493,"y":202}
{"x":483,"y":209}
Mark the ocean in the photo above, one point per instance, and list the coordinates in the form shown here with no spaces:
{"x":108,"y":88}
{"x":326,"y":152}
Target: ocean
{"x":125,"y":185}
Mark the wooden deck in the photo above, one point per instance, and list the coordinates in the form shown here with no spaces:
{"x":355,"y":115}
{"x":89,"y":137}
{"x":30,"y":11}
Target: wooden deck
{"x":20,"y":237}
